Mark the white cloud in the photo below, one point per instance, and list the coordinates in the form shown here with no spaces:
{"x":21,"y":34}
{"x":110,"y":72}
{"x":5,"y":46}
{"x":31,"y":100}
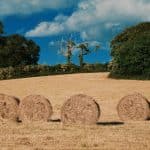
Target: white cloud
{"x":45,"y":29}
{"x":95,"y":17}
{"x":51,"y":43}
{"x":111,"y":25}
{"x":84,"y":35}
{"x":17,"y":7}
{"x":94,"y":43}
{"x":60,"y":18}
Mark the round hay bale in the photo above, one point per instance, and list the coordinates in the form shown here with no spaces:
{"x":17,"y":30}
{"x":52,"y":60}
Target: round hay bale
{"x":9,"y":106}
{"x":80,"y":109}
{"x":35,"y":108}
{"x":133,"y":107}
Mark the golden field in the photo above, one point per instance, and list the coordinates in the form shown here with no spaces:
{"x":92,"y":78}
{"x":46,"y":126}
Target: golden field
{"x":109,"y":134}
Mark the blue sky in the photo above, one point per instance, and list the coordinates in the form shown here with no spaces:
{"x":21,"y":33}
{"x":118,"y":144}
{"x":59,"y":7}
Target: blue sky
{"x":48,"y":22}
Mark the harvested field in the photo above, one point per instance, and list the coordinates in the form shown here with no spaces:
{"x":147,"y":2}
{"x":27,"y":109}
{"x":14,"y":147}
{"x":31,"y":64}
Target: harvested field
{"x":110,"y":133}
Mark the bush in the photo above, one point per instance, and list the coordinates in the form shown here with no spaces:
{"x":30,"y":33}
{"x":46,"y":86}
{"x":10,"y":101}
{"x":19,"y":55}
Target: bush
{"x":7,"y":73}
{"x":130,"y":52}
{"x":95,"y":68}
{"x":101,"y":67}
{"x":41,"y":70}
{"x":21,"y":71}
{"x":88,"y":67}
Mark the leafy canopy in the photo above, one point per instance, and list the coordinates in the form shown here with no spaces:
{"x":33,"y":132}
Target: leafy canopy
{"x":1,"y":27}
{"x":130,"y":51}
{"x":16,"y":50}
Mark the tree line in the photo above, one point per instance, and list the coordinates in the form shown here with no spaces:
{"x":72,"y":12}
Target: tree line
{"x":19,"y":58}
{"x":130,"y":51}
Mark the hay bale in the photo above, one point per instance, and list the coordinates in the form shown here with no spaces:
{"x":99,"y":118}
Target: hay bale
{"x":80,"y":109}
{"x":35,"y":108}
{"x":9,"y":106}
{"x":133,"y":107}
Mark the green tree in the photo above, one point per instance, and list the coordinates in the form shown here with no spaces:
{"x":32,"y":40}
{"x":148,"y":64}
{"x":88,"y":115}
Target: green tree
{"x":17,"y":50}
{"x":1,"y":32}
{"x":130,"y":51}
{"x":1,"y":28}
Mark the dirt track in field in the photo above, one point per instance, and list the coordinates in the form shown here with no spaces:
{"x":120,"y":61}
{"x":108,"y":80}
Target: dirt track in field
{"x":109,"y":133}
